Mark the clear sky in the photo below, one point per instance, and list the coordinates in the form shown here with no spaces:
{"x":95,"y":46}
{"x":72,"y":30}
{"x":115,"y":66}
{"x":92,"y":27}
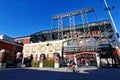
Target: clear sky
{"x":24,"y":17}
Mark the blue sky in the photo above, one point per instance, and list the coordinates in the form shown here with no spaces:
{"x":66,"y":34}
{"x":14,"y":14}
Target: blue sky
{"x":24,"y":17}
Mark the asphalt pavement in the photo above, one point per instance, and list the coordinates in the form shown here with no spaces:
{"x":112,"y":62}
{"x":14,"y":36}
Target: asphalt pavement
{"x":59,"y":74}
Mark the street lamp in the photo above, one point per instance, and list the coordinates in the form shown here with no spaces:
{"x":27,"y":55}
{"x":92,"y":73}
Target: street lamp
{"x":110,"y":15}
{"x":108,"y":9}
{"x":48,"y":44}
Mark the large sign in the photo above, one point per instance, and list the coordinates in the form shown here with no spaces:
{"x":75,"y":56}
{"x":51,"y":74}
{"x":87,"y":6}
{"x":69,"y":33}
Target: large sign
{"x":93,"y":33}
{"x":88,"y":34}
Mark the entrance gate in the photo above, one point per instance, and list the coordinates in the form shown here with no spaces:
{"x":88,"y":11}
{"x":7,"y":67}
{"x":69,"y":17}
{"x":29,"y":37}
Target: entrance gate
{"x":86,"y":59}
{"x":82,"y":59}
{"x":83,"y":49}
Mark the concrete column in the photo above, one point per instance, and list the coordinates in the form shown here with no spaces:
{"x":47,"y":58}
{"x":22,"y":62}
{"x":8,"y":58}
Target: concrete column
{"x":98,"y":60}
{"x":42,"y":58}
{"x":3,"y":58}
{"x":75,"y":60}
{"x":18,"y":60}
{"x":29,"y":60}
{"x":56,"y":60}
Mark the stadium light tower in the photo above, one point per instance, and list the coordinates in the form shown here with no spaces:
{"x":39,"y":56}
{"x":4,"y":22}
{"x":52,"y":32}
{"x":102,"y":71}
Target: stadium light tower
{"x":116,"y":32}
{"x":69,"y":15}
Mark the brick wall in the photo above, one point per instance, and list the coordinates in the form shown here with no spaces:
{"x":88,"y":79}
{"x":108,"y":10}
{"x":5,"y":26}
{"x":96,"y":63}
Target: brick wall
{"x":11,"y":48}
{"x":24,"y":40}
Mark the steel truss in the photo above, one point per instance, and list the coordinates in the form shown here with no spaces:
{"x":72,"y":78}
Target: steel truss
{"x":71,"y":16}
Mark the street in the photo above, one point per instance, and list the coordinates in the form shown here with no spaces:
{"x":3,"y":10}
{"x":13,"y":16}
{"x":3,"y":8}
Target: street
{"x":59,"y":74}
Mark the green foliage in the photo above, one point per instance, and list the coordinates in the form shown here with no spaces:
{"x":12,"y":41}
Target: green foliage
{"x":48,"y":63}
{"x":35,"y":63}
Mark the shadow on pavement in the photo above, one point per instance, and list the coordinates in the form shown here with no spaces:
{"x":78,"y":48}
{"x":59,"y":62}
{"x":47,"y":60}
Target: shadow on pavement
{"x":34,"y":74}
{"x":104,"y":74}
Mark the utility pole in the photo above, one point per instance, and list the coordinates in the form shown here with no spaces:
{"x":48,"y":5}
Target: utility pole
{"x":116,"y":32}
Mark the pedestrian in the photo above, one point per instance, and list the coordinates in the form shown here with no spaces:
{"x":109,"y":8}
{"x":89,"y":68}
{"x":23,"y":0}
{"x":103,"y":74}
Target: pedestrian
{"x":73,"y":66}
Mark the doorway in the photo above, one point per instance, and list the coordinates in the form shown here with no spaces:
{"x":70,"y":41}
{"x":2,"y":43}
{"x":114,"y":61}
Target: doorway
{"x":86,"y":59}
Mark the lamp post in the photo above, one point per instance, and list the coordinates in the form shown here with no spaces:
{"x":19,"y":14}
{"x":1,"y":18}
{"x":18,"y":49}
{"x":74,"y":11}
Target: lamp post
{"x":110,"y":15}
{"x":56,"y":57}
{"x":48,"y":44}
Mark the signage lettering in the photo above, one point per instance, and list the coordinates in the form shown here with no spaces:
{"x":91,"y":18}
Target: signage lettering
{"x":86,"y":34}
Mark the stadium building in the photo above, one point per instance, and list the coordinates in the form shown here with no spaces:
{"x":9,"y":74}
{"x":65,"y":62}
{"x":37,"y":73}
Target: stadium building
{"x":87,"y":44}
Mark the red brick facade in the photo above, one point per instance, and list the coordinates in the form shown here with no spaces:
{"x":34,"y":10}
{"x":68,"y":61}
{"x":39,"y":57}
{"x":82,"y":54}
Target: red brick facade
{"x":24,"y":40}
{"x":11,"y":47}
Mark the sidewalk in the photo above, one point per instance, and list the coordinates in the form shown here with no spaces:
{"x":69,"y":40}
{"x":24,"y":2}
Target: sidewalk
{"x":81,"y":70}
